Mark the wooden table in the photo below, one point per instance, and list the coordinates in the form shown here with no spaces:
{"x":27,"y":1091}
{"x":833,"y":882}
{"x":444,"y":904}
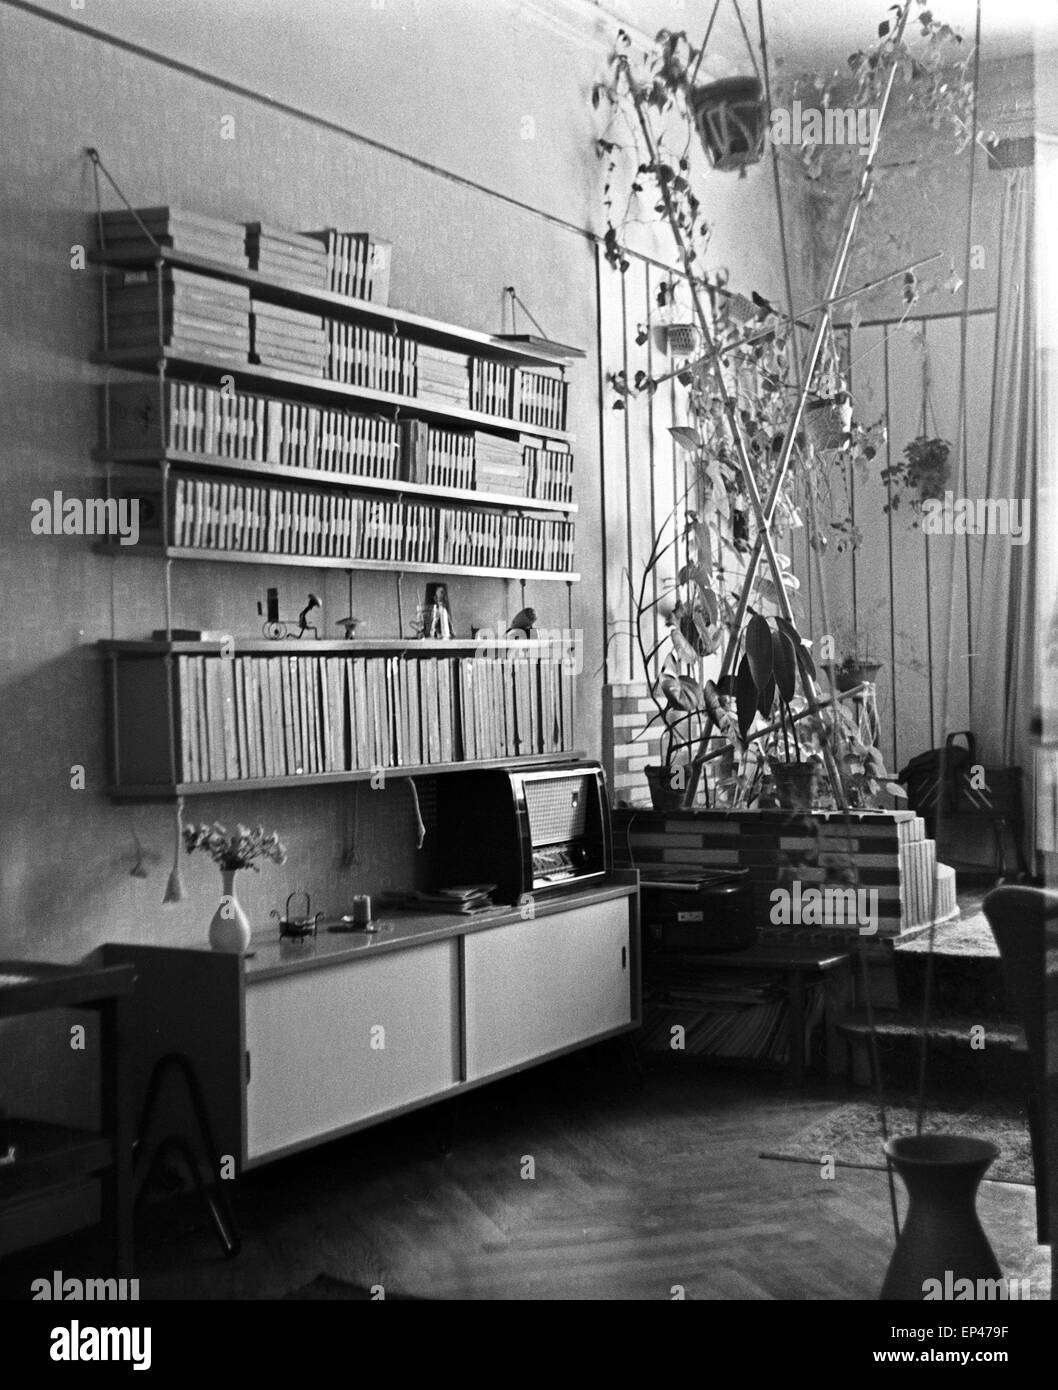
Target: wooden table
{"x":36,"y":1156}
{"x":794,"y":968}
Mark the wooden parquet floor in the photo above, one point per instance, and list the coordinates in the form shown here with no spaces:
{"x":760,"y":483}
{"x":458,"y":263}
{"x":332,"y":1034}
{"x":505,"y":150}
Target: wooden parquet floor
{"x":641,"y":1183}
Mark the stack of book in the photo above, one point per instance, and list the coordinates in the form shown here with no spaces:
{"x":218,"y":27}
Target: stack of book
{"x":465,"y":901}
{"x":248,"y":717}
{"x":362,"y":356}
{"x":288,"y":339}
{"x":490,"y":387}
{"x":335,"y":441}
{"x":200,"y":316}
{"x":358,"y":263}
{"x":549,"y":468}
{"x":498,"y":465}
{"x":283,"y":255}
{"x":442,"y":376}
{"x":442,"y":458}
{"x":540,"y":399}
{"x":186,"y":233}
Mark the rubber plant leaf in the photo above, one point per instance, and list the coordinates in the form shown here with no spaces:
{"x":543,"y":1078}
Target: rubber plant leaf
{"x":766,"y":698}
{"x":759,"y":650}
{"x":681,"y":646}
{"x":804,"y":655}
{"x":745,"y":697}
{"x":705,"y":545}
{"x":784,"y":664}
{"x":686,"y":437}
{"x":894,"y":789}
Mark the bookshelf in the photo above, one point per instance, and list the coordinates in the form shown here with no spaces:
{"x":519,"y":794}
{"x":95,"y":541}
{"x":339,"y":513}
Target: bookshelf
{"x":286,"y":423}
{"x":260,"y":715}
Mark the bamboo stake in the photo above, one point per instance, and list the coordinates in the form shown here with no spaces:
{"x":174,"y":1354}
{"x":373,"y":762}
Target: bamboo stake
{"x":834,"y":283}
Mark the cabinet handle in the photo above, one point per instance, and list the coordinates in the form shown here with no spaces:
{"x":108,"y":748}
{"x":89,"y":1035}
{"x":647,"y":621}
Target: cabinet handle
{"x":247,"y":1066}
{"x":624,"y":957}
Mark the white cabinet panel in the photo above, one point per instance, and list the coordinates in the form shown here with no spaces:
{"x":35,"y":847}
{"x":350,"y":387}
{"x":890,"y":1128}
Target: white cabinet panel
{"x":544,"y":984}
{"x":317,"y":1062}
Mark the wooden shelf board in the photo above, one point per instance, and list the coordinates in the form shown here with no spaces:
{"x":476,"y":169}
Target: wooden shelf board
{"x":179,"y":458}
{"x":334,"y":562}
{"x":125,"y":792}
{"x":392,"y":646}
{"x":327,"y":303}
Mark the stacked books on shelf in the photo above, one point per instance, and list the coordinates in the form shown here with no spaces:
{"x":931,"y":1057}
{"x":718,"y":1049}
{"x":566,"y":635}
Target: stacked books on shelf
{"x":189,"y":233}
{"x":499,"y":465}
{"x":360,"y":356}
{"x":540,"y":399}
{"x":443,"y":376}
{"x":490,"y":387}
{"x":182,"y":418}
{"x":725,"y":1018}
{"x":439,"y":457}
{"x":358,"y":263}
{"x":287,"y":339}
{"x":550,"y":471}
{"x":284,"y":255}
{"x":185,"y":312}
{"x":211,"y":514}
{"x":281,"y":716}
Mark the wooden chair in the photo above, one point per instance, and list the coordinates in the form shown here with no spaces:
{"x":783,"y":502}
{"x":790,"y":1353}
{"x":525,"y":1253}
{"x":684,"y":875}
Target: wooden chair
{"x":1019,"y":918}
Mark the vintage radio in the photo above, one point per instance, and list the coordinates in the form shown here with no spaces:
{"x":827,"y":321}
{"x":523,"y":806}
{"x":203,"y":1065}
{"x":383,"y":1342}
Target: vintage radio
{"x":527,"y":831}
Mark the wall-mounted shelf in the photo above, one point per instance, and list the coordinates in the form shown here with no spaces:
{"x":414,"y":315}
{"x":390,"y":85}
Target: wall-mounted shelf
{"x":298,"y":386}
{"x":331,"y":305}
{"x":320,"y":477}
{"x":329,"y":562}
{"x":168,"y":792}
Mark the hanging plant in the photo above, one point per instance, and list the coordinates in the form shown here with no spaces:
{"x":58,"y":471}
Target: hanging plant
{"x":730,"y":118}
{"x":921,"y":475}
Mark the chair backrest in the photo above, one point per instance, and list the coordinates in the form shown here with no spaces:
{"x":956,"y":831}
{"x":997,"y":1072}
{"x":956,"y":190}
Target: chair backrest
{"x":1019,"y":918}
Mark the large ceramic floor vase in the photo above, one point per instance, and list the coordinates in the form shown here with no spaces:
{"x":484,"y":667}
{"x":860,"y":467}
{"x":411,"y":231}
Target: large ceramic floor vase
{"x":942,"y":1238}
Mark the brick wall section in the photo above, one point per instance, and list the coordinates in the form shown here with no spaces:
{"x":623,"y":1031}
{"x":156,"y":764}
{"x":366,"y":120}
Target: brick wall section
{"x":888,"y":849}
{"x":626,"y":708}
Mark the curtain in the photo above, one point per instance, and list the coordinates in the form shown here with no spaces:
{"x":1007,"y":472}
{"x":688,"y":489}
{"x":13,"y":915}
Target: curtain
{"x":1004,"y":639}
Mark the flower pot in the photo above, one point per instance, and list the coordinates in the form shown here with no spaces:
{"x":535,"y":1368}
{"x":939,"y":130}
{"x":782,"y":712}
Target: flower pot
{"x":729,"y":116}
{"x":796,"y":784}
{"x":663,"y":795}
{"x":942,"y":1238}
{"x":230,"y":928}
{"x":848,"y":677}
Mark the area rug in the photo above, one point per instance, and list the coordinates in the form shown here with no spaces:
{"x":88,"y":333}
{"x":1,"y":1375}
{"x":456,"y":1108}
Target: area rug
{"x":851,"y":1135}
{"x":326,"y":1287}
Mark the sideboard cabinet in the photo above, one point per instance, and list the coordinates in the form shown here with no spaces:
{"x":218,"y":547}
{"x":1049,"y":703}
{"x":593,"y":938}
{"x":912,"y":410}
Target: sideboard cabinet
{"x":306,"y":1040}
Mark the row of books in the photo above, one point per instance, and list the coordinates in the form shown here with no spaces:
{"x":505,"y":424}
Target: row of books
{"x":250,"y":428}
{"x":356,"y":264}
{"x":281,"y":716}
{"x":359,"y":356}
{"x":260,"y":429}
{"x":504,"y":541}
{"x":187,"y":312}
{"x":219,"y":515}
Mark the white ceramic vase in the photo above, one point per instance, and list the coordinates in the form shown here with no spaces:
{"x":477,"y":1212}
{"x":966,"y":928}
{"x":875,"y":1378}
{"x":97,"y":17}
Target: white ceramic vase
{"x":230,"y":928}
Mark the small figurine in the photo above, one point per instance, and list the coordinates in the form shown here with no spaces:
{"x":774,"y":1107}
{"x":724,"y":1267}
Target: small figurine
{"x":523,"y":623}
{"x":348,"y":626}
{"x":436,"y":615}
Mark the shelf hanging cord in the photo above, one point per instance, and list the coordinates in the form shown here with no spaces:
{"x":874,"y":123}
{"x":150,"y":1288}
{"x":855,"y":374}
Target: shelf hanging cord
{"x":516,"y":302}
{"x":98,"y":165}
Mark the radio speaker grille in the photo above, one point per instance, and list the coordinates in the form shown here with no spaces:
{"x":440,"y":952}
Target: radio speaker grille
{"x":557,"y":808}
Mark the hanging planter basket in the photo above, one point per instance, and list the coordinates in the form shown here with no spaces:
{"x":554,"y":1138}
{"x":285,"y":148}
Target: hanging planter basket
{"x":826,"y":424}
{"x":679,"y":339}
{"x":729,"y":116}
